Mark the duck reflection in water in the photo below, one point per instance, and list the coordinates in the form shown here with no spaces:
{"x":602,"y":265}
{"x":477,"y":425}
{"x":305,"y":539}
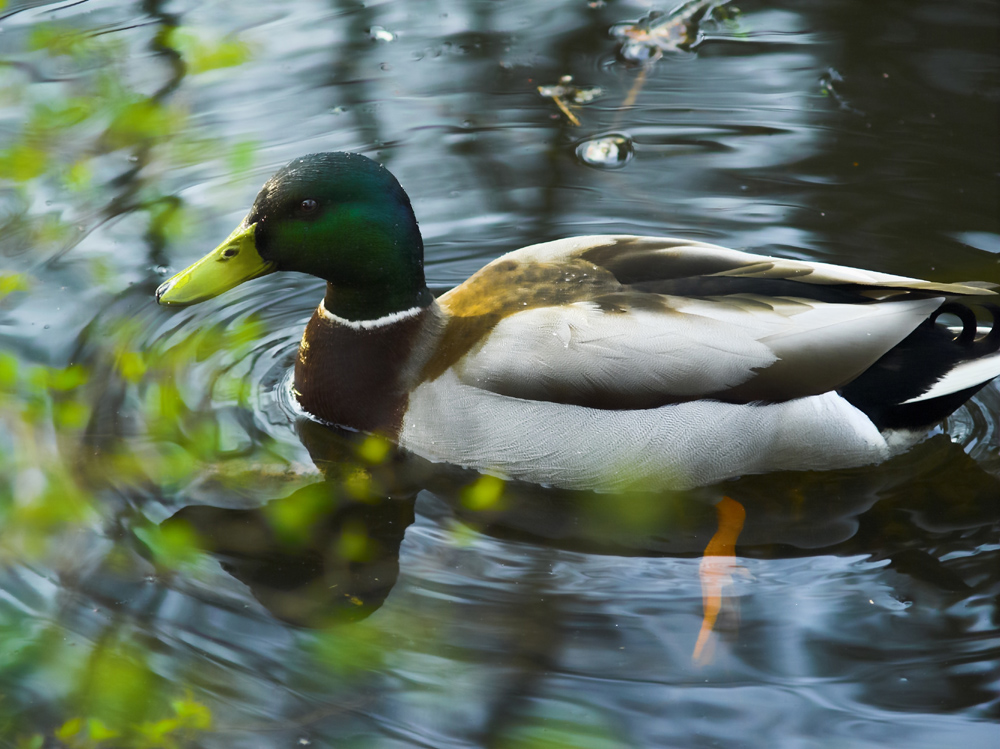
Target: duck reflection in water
{"x":340,"y":568}
{"x":329,"y":553}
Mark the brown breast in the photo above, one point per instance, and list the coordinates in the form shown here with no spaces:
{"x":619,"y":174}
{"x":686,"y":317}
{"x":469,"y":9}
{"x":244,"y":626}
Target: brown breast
{"x":355,"y":376}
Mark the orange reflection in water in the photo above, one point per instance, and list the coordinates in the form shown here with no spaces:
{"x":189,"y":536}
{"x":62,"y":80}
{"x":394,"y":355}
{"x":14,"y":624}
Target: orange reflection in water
{"x":716,"y":571}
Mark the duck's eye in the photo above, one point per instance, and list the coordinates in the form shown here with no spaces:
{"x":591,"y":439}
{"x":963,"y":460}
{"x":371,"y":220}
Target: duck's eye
{"x":307,"y":206}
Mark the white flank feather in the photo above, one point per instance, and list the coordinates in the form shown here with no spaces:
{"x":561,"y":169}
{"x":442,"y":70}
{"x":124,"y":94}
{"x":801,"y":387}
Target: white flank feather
{"x":677,"y":446}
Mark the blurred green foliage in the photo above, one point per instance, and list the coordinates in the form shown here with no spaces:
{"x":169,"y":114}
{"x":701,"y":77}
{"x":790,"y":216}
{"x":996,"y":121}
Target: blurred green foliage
{"x":72,"y":128}
{"x":38,"y":495}
{"x":86,"y":443}
{"x":90,"y":145}
{"x":189,"y":718}
{"x":483,"y":494}
{"x":51,"y":502}
{"x":202,"y":56}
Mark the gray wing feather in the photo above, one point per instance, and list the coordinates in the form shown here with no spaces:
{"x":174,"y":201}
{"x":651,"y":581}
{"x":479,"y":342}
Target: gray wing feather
{"x":637,"y":349}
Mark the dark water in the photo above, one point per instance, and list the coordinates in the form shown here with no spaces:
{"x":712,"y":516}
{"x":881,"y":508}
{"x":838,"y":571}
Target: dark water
{"x":391,"y":605}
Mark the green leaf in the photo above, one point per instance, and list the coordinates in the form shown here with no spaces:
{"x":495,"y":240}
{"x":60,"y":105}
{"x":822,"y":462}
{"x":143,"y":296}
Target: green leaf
{"x":71,"y":414}
{"x":132,"y":365}
{"x":141,"y":121}
{"x":374,"y":449}
{"x":98,"y":731}
{"x":483,"y":494}
{"x":168,"y":219}
{"x":50,"y":119}
{"x":69,"y":729}
{"x":8,"y":371}
{"x":173,"y":544}
{"x":354,"y":545}
{"x":241,"y":156}
{"x":36,"y":741}
{"x":66,"y":379}
{"x":155,"y":734}
{"x":11,"y":282}
{"x":192,"y":714}
{"x":293,"y":517}
{"x":202,"y":56}
{"x":79,"y":176}
{"x":57,"y":41}
{"x":22,"y":163}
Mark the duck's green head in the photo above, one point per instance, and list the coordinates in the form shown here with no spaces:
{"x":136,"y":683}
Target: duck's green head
{"x":338,"y":216}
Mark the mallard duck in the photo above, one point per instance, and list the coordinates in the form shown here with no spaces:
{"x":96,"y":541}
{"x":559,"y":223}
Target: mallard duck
{"x":599,"y":362}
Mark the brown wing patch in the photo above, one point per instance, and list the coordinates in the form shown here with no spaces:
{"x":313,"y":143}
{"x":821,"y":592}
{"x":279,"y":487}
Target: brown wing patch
{"x":504,"y":288}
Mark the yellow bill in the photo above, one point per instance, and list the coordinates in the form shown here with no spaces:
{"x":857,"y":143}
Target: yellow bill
{"x":231,"y":263}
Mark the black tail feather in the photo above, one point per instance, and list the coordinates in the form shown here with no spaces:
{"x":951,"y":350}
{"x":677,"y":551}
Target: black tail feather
{"x":913,"y":366}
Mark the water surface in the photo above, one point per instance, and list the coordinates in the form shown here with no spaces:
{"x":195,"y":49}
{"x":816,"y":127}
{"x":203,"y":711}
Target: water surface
{"x":392,"y":605}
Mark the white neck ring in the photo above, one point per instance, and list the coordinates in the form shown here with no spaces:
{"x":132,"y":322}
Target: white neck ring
{"x":379,"y":322}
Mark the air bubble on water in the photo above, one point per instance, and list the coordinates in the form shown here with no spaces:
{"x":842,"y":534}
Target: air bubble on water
{"x":612,"y":151}
{"x":380,"y":34}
